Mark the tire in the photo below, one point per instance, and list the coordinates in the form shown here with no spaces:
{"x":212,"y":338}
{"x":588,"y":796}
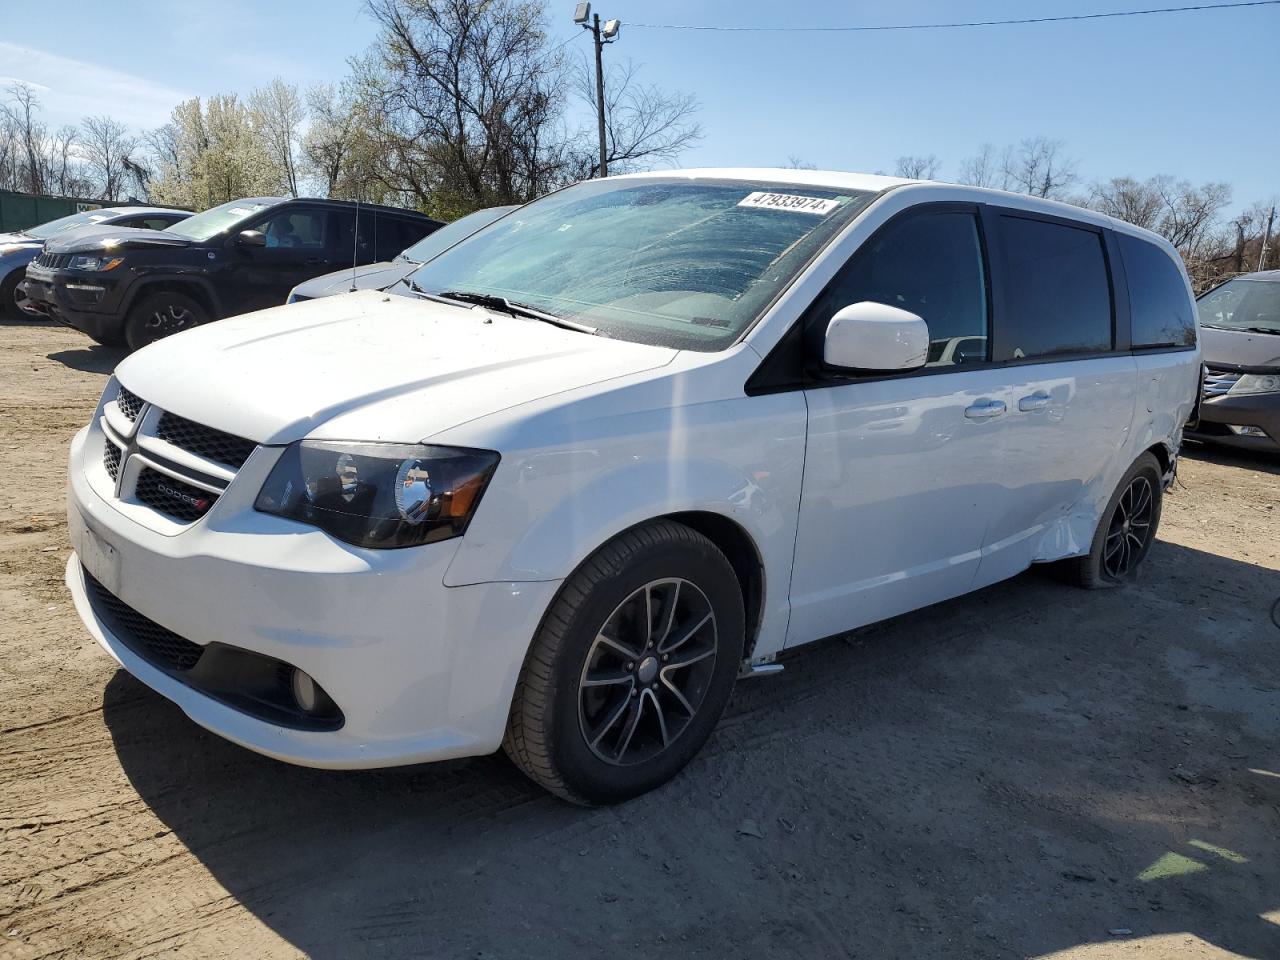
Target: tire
{"x":8,"y":305}
{"x":1099,"y":568}
{"x":160,"y":315}
{"x":570,"y":717}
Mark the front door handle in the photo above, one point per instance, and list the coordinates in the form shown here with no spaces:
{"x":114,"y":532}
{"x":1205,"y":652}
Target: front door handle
{"x":984,"y":409}
{"x":1036,"y":401}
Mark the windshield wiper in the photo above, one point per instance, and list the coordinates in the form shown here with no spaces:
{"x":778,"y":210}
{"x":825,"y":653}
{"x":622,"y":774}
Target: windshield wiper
{"x":493,"y":302}
{"x":1260,"y":329}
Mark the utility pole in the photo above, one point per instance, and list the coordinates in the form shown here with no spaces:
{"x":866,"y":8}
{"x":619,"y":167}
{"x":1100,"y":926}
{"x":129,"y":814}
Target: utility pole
{"x":600,"y":34}
{"x":1266,"y":238}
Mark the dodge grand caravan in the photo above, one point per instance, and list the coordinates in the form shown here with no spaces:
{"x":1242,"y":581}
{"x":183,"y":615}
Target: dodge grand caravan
{"x":623,"y":446}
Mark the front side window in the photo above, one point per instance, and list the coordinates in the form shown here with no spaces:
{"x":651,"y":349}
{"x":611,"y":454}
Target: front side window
{"x":294,"y":229}
{"x":216,"y":220}
{"x":673,"y":261}
{"x":930,"y":264}
{"x":1252,"y":306}
{"x":1057,"y":289}
{"x":1159,"y":305}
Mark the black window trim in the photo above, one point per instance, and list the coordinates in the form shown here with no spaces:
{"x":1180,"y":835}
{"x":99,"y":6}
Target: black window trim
{"x":771,"y":374}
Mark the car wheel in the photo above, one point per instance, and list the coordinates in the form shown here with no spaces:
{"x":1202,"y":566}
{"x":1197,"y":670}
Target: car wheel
{"x":1127,"y":529}
{"x":161,"y":315}
{"x":631,"y":668}
{"x":9,"y":308}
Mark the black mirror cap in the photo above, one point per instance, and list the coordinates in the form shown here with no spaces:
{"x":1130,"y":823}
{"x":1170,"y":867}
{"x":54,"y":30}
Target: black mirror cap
{"x":252,"y":238}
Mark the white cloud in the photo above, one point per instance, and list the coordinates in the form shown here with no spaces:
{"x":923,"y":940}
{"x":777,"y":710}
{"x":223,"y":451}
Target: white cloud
{"x":70,"y":90}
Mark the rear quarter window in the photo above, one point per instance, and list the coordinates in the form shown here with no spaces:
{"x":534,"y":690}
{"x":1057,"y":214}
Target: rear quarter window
{"x":1160,"y":307}
{"x":1057,"y":289}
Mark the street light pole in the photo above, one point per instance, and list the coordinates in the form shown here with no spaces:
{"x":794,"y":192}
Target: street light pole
{"x":604,"y":153}
{"x":600,"y":34}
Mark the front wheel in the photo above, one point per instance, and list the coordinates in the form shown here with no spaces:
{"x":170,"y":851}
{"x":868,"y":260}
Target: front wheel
{"x":631,"y":669}
{"x":9,"y":308}
{"x":1127,"y":528}
{"x":161,"y":315}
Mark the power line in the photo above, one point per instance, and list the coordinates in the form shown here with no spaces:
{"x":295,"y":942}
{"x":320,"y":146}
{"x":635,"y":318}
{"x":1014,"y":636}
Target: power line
{"x":952,"y":26}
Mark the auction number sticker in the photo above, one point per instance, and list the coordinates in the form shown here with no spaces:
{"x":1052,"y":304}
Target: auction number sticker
{"x":789,"y":201}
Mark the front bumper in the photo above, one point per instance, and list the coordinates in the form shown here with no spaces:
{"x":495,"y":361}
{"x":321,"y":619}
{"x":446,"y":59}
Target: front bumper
{"x":1261,"y":410}
{"x":90,"y":302}
{"x":419,"y":670}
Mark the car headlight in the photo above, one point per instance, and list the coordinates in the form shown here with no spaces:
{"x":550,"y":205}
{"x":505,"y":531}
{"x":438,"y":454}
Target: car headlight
{"x":383,"y":495}
{"x":98,"y":264}
{"x":1252,"y":383}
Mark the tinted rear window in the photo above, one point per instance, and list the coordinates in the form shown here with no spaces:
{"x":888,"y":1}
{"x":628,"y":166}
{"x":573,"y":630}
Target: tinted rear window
{"x":1158,"y":299}
{"x":1057,"y":289}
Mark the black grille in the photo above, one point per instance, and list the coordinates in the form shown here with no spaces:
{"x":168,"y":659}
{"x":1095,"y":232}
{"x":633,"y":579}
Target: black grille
{"x":205,"y":441}
{"x":53,"y":261}
{"x":179,"y":500}
{"x":111,"y":458}
{"x":129,"y":403}
{"x":159,"y":646}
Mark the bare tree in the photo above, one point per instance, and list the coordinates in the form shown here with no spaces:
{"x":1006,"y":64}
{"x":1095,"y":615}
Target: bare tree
{"x":28,"y":133}
{"x":107,"y":146}
{"x":796,"y":163}
{"x":467,"y":100}
{"x":64,"y":175}
{"x":917,"y":168}
{"x":1135,"y":201}
{"x":643,"y":123}
{"x":1038,"y":166}
{"x":982,"y":169}
{"x":278,"y":115}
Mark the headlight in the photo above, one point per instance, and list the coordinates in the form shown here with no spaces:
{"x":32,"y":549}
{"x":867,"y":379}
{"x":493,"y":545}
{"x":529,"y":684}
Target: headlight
{"x":98,"y":264}
{"x":1255,"y":383}
{"x":378,"y":494}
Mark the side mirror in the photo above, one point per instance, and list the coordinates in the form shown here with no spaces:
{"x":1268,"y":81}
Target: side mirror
{"x":252,"y":238}
{"x":875,"y":338}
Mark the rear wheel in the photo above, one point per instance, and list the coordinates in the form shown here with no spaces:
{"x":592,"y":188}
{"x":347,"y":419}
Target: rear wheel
{"x":1126,"y":531}
{"x":160,"y":315}
{"x":631,"y":668}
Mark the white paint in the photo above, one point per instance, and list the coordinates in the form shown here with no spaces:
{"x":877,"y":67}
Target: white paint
{"x":862,"y":499}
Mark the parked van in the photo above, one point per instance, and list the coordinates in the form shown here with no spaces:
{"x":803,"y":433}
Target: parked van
{"x":625,"y":445}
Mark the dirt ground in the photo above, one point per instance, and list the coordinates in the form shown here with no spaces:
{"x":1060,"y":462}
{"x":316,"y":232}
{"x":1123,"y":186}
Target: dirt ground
{"x":1029,"y":771}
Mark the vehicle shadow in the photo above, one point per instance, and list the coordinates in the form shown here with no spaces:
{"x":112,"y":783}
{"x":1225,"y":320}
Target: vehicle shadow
{"x":1008,"y":774}
{"x":91,"y":358}
{"x":1232,"y":456}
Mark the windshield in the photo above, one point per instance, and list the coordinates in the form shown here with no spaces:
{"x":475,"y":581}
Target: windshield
{"x":215,"y":220}
{"x":1242,"y":304}
{"x":441,"y":240}
{"x":86,"y":219}
{"x":673,"y":261}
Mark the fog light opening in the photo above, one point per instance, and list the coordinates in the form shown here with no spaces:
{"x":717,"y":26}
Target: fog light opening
{"x":1245,"y":430}
{"x":306,"y":693}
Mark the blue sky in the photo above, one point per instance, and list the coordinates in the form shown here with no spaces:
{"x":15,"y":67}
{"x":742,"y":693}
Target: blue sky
{"x":1191,"y":94}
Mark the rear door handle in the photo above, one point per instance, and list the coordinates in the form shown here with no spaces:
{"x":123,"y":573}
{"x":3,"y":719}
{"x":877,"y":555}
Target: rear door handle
{"x":1036,"y":401}
{"x":314,"y":261}
{"x":984,"y":409}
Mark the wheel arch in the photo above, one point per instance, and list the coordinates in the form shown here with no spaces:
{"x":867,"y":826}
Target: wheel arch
{"x":197,"y":288}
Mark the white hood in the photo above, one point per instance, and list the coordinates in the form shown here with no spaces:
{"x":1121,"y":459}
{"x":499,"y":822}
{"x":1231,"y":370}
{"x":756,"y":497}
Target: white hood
{"x":366,"y":366}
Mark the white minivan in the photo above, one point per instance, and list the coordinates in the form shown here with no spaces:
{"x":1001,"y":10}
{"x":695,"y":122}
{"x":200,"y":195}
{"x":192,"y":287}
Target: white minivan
{"x":625,"y":445}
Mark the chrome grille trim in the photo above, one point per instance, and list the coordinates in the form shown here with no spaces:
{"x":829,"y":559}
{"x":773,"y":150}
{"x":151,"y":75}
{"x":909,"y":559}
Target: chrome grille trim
{"x":1218,"y":382}
{"x":149,"y":454}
